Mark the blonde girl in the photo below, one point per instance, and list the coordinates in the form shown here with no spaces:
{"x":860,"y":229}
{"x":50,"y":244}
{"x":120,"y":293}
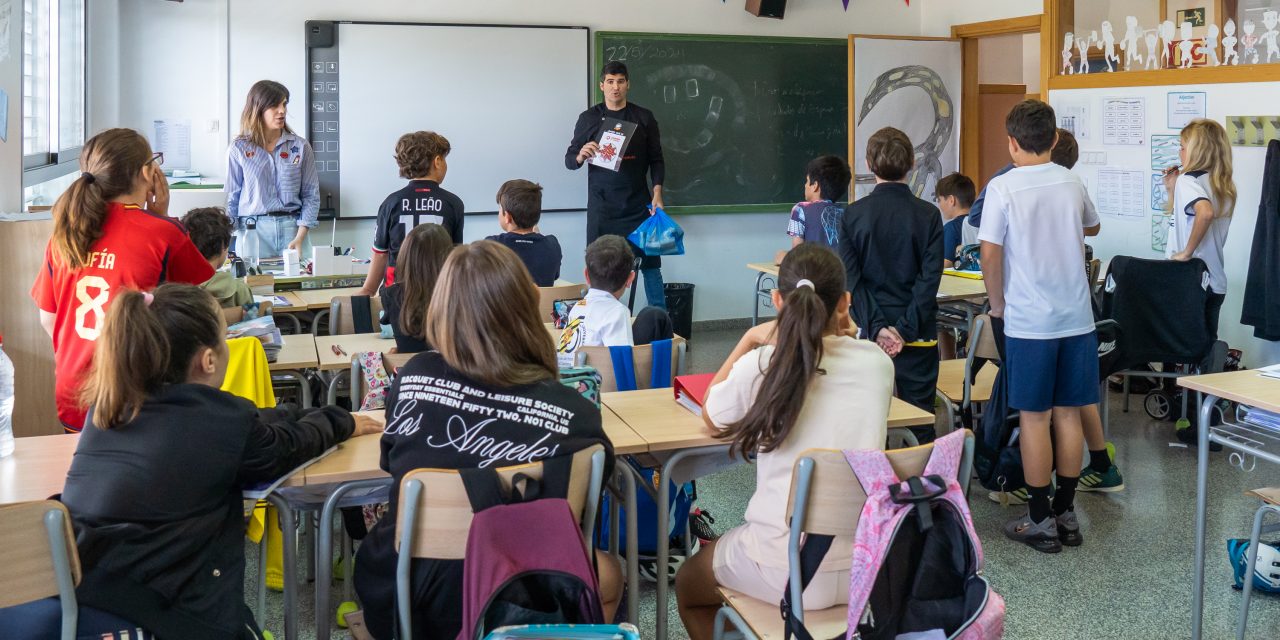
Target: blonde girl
{"x":1204,"y":197}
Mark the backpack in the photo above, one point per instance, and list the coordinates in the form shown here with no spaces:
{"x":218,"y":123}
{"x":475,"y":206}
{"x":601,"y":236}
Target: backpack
{"x":917,"y":561}
{"x":969,"y":258}
{"x":526,"y":561}
{"x":585,"y":380}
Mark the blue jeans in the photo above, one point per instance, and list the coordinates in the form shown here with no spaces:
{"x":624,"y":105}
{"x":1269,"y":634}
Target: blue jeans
{"x":654,"y":291}
{"x":269,"y":240}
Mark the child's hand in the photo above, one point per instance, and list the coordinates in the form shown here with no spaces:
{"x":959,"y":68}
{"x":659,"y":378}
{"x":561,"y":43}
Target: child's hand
{"x":157,"y":191}
{"x":1171,"y":177}
{"x":365,"y":425}
{"x":761,"y":334}
{"x":1181,"y":256}
{"x":777,"y":257}
{"x":889,"y":341}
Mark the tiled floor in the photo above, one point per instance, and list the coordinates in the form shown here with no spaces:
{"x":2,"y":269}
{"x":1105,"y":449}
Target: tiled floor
{"x":1131,"y":579}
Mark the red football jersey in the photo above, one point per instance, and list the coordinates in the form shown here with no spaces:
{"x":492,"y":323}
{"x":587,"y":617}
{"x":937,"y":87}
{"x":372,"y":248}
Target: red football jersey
{"x":137,"y":250}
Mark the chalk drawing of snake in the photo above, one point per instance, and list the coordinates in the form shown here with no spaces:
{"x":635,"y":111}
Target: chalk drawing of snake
{"x":928,"y":153}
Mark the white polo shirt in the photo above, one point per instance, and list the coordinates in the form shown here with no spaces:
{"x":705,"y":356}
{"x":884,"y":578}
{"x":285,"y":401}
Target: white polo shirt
{"x":1191,"y":188}
{"x":1038,"y":214}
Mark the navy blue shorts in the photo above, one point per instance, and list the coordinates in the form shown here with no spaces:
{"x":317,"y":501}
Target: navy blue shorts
{"x":1059,"y":372}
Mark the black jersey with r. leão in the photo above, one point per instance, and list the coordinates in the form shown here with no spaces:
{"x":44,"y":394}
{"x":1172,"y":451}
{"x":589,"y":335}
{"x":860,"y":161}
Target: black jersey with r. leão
{"x":419,"y":202}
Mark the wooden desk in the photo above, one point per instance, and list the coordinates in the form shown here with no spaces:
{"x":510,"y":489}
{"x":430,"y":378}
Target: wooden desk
{"x":1247,"y":388}
{"x":298,"y":352}
{"x":955,"y":289}
{"x":37,"y":468}
{"x":352,"y":343}
{"x":654,"y":415}
{"x":317,"y":299}
{"x":294,"y":305}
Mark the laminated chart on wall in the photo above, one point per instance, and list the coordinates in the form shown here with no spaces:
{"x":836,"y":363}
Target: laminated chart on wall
{"x":1160,"y":230}
{"x":1074,"y":118}
{"x":1121,"y":192}
{"x":1124,"y":121}
{"x":1164,"y":151}
{"x":1159,"y":195}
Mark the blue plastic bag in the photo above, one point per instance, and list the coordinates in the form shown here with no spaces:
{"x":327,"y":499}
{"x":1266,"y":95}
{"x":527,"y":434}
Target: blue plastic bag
{"x":659,"y":236}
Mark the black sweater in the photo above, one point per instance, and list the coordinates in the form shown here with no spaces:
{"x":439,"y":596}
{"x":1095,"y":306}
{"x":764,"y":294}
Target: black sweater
{"x":392,"y":297}
{"x":157,"y":507}
{"x":616,"y":200}
{"x":441,"y":419}
{"x":892,"y":253}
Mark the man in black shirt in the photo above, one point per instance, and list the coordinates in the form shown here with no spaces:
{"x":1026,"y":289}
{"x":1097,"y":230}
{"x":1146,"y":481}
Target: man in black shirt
{"x":421,"y":156}
{"x":618,"y":201}
{"x":892,"y":251}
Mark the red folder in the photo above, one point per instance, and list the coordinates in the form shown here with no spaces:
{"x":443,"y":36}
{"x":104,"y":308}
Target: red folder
{"x":694,"y":386}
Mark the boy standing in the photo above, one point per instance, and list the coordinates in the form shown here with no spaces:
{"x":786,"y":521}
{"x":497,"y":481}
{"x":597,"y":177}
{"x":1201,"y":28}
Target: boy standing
{"x":210,"y":230}
{"x":421,"y":158}
{"x":891,"y":245}
{"x":954,"y":195}
{"x":519,"y":209}
{"x":1032,"y":236}
{"x":600,"y":319}
{"x":817,"y":219}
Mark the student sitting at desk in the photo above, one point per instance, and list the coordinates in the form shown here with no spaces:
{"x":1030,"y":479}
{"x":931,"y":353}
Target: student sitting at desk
{"x":210,"y":230}
{"x":154,"y":489}
{"x":421,"y":158}
{"x":798,"y":383}
{"x":954,"y":197}
{"x":483,"y":284}
{"x":519,"y":209}
{"x":404,"y":304}
{"x":601,"y":319}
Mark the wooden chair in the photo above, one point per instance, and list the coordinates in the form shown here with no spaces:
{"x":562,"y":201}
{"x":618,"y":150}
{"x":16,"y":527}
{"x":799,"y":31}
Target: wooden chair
{"x":342,"y":319}
{"x":599,"y":358}
{"x":826,"y":499}
{"x":38,"y":558}
{"x":957,"y":389}
{"x":435,"y":515}
{"x":548,"y":295}
{"x":261,"y":285}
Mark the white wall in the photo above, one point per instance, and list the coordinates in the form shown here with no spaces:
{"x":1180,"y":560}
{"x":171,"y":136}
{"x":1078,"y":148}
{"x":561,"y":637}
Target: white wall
{"x":202,"y":47}
{"x":1132,"y":236}
{"x":937,"y":16}
{"x":11,"y":84}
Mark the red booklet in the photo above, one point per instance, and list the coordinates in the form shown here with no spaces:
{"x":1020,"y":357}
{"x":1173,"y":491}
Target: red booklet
{"x":691,"y":390}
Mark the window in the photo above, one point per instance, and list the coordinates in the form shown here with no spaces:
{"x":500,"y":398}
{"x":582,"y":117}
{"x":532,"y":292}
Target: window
{"x":53,"y":87}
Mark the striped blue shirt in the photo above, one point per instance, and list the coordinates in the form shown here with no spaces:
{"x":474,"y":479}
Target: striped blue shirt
{"x":283,"y":180}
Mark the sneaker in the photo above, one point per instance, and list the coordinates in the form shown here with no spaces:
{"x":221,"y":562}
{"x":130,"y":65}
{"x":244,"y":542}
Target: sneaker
{"x":1069,"y":529}
{"x":1041,"y":536}
{"x":1018,"y":496}
{"x":700,"y":521}
{"x":647,"y":567}
{"x":1109,"y":482}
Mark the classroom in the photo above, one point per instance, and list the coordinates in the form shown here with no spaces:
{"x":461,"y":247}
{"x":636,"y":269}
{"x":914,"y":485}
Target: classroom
{"x":655,"y":319}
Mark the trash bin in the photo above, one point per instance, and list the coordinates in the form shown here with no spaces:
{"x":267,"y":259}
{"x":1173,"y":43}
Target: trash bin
{"x":679,"y":297}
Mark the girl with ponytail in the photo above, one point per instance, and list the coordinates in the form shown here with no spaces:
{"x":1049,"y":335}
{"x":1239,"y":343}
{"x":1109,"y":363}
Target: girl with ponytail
{"x":111,"y":232}
{"x":801,"y":382}
{"x":155,"y":485}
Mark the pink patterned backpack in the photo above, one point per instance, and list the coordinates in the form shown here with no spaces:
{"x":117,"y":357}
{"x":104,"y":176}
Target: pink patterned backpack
{"x":917,"y":561}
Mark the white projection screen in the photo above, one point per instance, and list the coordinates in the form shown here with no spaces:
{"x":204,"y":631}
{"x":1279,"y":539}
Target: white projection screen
{"x":506,"y":98}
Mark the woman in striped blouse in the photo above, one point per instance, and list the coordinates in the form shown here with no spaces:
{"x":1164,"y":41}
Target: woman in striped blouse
{"x":273,"y":192}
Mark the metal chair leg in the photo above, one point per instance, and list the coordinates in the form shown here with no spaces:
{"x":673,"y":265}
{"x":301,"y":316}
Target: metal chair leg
{"x":1242,"y":621}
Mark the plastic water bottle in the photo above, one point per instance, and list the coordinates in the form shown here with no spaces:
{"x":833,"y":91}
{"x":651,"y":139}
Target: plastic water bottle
{"x":6,"y":405}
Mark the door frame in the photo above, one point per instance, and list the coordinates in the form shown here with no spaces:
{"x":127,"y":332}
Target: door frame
{"x":968,"y":34}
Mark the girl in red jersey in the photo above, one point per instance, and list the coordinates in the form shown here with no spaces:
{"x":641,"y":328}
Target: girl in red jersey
{"x":111,"y":232}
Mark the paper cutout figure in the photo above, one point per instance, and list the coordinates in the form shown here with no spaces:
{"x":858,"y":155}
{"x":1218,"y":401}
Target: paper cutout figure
{"x":1153,"y":56}
{"x":1167,"y":33}
{"x":1211,"y":46}
{"x":1083,"y":43}
{"x":1186,"y":46}
{"x":1067,"y":41}
{"x":1130,"y":42}
{"x":1269,"y":20}
{"x":1249,"y":41}
{"x":1108,"y":45}
{"x":1229,"y":54}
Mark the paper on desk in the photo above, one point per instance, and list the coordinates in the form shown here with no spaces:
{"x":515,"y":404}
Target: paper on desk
{"x":1272,"y":371}
{"x":279,"y":301}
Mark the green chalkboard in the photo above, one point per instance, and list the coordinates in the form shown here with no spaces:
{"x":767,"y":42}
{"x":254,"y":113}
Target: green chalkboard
{"x":740,"y":115}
